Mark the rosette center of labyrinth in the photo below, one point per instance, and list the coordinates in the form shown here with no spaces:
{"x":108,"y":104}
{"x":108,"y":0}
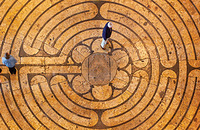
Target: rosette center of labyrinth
{"x":99,"y":69}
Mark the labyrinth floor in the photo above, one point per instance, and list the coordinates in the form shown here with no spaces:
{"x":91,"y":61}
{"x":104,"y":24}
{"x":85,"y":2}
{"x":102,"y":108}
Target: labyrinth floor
{"x":149,"y":79}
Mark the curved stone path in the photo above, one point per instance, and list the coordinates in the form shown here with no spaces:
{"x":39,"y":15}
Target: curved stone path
{"x":149,"y":79}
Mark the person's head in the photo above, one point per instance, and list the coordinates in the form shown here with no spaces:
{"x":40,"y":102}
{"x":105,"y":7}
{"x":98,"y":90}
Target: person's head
{"x":0,"y":70}
{"x":110,"y":24}
{"x":7,"y":55}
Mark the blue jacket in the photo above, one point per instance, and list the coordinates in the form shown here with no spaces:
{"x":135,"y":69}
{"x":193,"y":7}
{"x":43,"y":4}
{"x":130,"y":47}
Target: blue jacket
{"x":106,"y":32}
{"x":9,"y":62}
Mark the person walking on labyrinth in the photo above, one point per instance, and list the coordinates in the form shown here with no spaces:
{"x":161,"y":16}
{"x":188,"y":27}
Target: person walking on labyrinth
{"x":10,"y":62}
{"x":107,"y":31}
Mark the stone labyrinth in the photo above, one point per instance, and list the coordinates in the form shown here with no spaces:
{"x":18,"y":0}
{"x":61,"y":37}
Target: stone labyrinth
{"x":149,"y":79}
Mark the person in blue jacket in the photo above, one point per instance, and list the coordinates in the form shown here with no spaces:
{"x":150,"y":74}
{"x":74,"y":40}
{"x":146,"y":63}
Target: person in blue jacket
{"x":107,"y":31}
{"x":9,"y":61}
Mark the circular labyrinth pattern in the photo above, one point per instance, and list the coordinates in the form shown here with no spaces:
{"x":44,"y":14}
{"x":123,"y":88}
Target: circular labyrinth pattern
{"x":153,"y":81}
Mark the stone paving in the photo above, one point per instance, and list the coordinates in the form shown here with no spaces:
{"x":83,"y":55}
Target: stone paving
{"x":148,"y":79}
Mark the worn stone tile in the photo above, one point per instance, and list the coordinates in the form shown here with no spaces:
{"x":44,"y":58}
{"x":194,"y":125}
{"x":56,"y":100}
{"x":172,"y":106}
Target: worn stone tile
{"x":80,"y":85}
{"x":153,"y":65}
{"x":12,"y":125}
{"x":32,"y":60}
{"x":3,"y":126}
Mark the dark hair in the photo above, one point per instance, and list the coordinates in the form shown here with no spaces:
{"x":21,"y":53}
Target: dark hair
{"x":0,"y":70}
{"x":7,"y":55}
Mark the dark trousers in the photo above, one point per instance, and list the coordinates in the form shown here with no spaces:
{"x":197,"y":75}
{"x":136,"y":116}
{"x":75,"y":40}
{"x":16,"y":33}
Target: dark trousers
{"x":12,"y":70}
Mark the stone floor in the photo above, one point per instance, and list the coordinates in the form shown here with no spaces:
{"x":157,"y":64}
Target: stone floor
{"x":149,"y":79}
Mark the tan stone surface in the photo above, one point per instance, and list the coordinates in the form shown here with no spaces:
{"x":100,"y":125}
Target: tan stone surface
{"x":148,"y":79}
